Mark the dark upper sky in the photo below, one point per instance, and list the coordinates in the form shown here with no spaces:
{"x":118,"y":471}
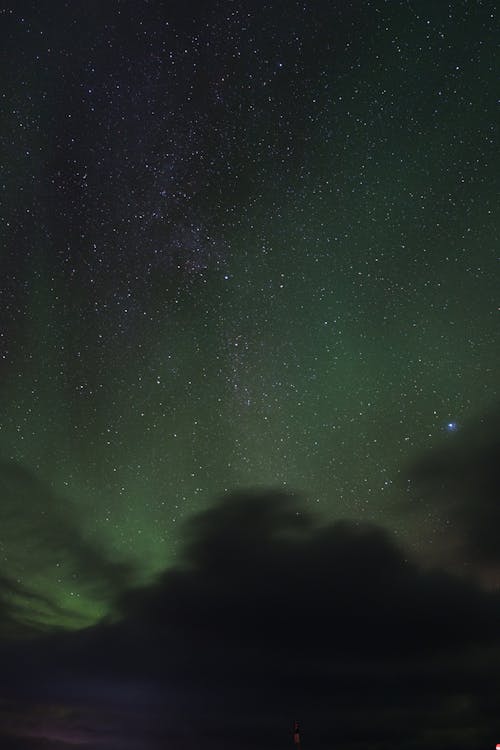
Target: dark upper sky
{"x":249,"y":290}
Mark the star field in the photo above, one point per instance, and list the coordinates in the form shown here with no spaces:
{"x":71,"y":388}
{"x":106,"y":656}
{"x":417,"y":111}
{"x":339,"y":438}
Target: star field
{"x":244,"y":245}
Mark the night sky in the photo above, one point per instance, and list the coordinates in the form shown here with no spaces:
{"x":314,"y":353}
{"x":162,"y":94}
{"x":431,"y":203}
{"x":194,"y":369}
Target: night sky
{"x":249,"y":366}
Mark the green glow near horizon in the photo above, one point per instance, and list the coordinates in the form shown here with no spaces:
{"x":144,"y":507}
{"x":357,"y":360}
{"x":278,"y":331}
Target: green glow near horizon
{"x":303,"y":303}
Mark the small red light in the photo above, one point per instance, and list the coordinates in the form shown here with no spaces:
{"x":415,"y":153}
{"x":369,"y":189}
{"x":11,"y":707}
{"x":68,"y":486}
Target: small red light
{"x":498,"y":746}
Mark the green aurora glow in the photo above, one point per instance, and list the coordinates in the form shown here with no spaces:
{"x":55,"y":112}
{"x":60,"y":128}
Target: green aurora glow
{"x":311,"y":314}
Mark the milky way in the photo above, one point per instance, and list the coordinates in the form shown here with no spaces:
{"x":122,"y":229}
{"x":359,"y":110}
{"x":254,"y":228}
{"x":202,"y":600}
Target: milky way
{"x":242,"y":246}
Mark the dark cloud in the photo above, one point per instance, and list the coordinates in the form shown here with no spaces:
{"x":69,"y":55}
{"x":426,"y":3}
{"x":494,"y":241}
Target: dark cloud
{"x":269,"y":616}
{"x":257,"y":571}
{"x":462,"y":482}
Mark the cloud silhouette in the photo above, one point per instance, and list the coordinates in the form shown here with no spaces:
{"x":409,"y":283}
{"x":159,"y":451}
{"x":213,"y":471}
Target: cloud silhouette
{"x":258,"y":571}
{"x":269,"y":616}
{"x":462,"y":481}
